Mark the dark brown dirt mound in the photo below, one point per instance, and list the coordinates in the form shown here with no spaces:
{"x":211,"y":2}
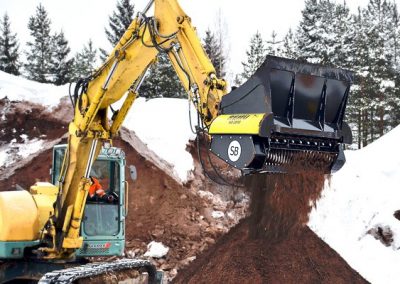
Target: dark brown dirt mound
{"x":301,"y":258}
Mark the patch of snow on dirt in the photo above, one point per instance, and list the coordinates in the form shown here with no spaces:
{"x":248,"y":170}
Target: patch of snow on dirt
{"x":15,"y":152}
{"x":355,"y":216}
{"x":217,"y":214}
{"x":19,"y":89}
{"x":156,"y":250}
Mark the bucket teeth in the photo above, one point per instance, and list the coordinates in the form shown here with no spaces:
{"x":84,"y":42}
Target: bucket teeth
{"x":279,"y":159}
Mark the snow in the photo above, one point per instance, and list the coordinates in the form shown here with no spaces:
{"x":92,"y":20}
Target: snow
{"x":156,"y":249}
{"x":13,"y":152}
{"x":19,"y":89}
{"x":363,"y":195}
{"x":387,"y":84}
{"x":163,"y":124}
{"x":217,"y":214}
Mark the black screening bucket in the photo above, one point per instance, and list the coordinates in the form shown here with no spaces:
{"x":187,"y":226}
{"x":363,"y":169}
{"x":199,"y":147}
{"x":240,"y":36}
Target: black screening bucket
{"x":286,"y":108}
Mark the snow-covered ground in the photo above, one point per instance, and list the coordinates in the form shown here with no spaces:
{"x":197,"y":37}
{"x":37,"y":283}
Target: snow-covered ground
{"x":363,"y":195}
{"x":13,"y":152}
{"x":162,"y":124}
{"x":20,"y":89}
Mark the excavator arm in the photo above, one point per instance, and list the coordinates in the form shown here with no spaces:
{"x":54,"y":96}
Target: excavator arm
{"x":169,"y":31}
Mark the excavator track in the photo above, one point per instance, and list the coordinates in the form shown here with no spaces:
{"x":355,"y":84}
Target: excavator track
{"x":69,"y":275}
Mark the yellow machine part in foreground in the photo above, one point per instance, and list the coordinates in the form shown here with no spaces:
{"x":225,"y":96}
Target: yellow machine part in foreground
{"x":23,"y":214}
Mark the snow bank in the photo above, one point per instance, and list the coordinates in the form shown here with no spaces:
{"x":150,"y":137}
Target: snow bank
{"x":163,"y":124}
{"x":363,"y":195}
{"x":19,"y":89}
{"x":156,"y":249}
{"x":13,"y":152}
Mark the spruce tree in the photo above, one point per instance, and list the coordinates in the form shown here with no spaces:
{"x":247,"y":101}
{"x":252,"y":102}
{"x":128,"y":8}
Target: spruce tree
{"x":85,"y":61}
{"x":395,"y":98}
{"x":221,"y":36}
{"x":162,"y":81}
{"x":214,"y":52}
{"x":339,"y":31}
{"x":118,"y":22}
{"x":289,"y":48}
{"x":273,"y":46}
{"x":255,"y":56}
{"x":315,"y":35}
{"x":9,"y":54}
{"x":377,"y":17}
{"x":357,"y":108}
{"x":61,"y":66}
{"x":38,"y":63}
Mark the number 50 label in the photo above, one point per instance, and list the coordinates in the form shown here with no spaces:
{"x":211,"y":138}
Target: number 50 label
{"x":234,"y":151}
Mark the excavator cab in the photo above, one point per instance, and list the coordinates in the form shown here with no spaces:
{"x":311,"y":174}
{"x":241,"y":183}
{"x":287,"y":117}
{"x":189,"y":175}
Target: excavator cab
{"x":103,"y":225}
{"x":286,"y":112}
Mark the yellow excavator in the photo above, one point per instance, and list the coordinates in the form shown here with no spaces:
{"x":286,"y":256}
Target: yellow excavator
{"x":286,"y":107}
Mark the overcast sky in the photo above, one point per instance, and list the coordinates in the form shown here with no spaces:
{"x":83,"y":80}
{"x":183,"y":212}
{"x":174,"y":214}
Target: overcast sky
{"x":82,"y":20}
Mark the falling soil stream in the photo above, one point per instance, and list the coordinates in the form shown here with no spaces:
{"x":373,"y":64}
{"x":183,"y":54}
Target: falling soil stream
{"x":281,"y":202}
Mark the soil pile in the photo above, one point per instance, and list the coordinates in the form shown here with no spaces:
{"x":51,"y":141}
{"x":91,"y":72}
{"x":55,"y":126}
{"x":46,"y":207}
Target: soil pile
{"x":273,"y":245}
{"x":300,"y":258}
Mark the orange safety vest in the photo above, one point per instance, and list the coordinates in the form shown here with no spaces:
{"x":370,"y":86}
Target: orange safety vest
{"x":96,"y":188}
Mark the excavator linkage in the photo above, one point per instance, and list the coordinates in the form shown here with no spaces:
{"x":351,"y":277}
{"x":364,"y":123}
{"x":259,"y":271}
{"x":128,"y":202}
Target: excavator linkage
{"x":288,"y":115}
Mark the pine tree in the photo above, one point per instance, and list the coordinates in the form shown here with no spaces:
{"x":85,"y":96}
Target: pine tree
{"x":221,"y":37}
{"x":118,"y":22}
{"x":85,"y":61}
{"x":314,"y":34}
{"x":162,"y":81}
{"x":255,"y":56}
{"x":39,"y":55}
{"x":394,"y":100}
{"x":61,"y":66}
{"x":273,"y":46}
{"x":289,"y":49}
{"x":9,"y":54}
{"x":357,"y":52}
{"x":214,"y":52}
{"x":377,"y":17}
{"x":339,"y":31}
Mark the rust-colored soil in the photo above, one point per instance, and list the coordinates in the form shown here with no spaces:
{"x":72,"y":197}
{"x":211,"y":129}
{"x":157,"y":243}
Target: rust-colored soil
{"x":237,"y":258}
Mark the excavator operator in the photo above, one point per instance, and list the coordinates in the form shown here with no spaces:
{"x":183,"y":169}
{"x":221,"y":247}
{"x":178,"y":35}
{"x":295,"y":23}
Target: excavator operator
{"x":96,"y":192}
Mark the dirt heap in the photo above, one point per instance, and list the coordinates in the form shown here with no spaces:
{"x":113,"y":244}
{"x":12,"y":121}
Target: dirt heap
{"x":25,"y":121}
{"x":238,"y":258}
{"x":273,"y":245}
